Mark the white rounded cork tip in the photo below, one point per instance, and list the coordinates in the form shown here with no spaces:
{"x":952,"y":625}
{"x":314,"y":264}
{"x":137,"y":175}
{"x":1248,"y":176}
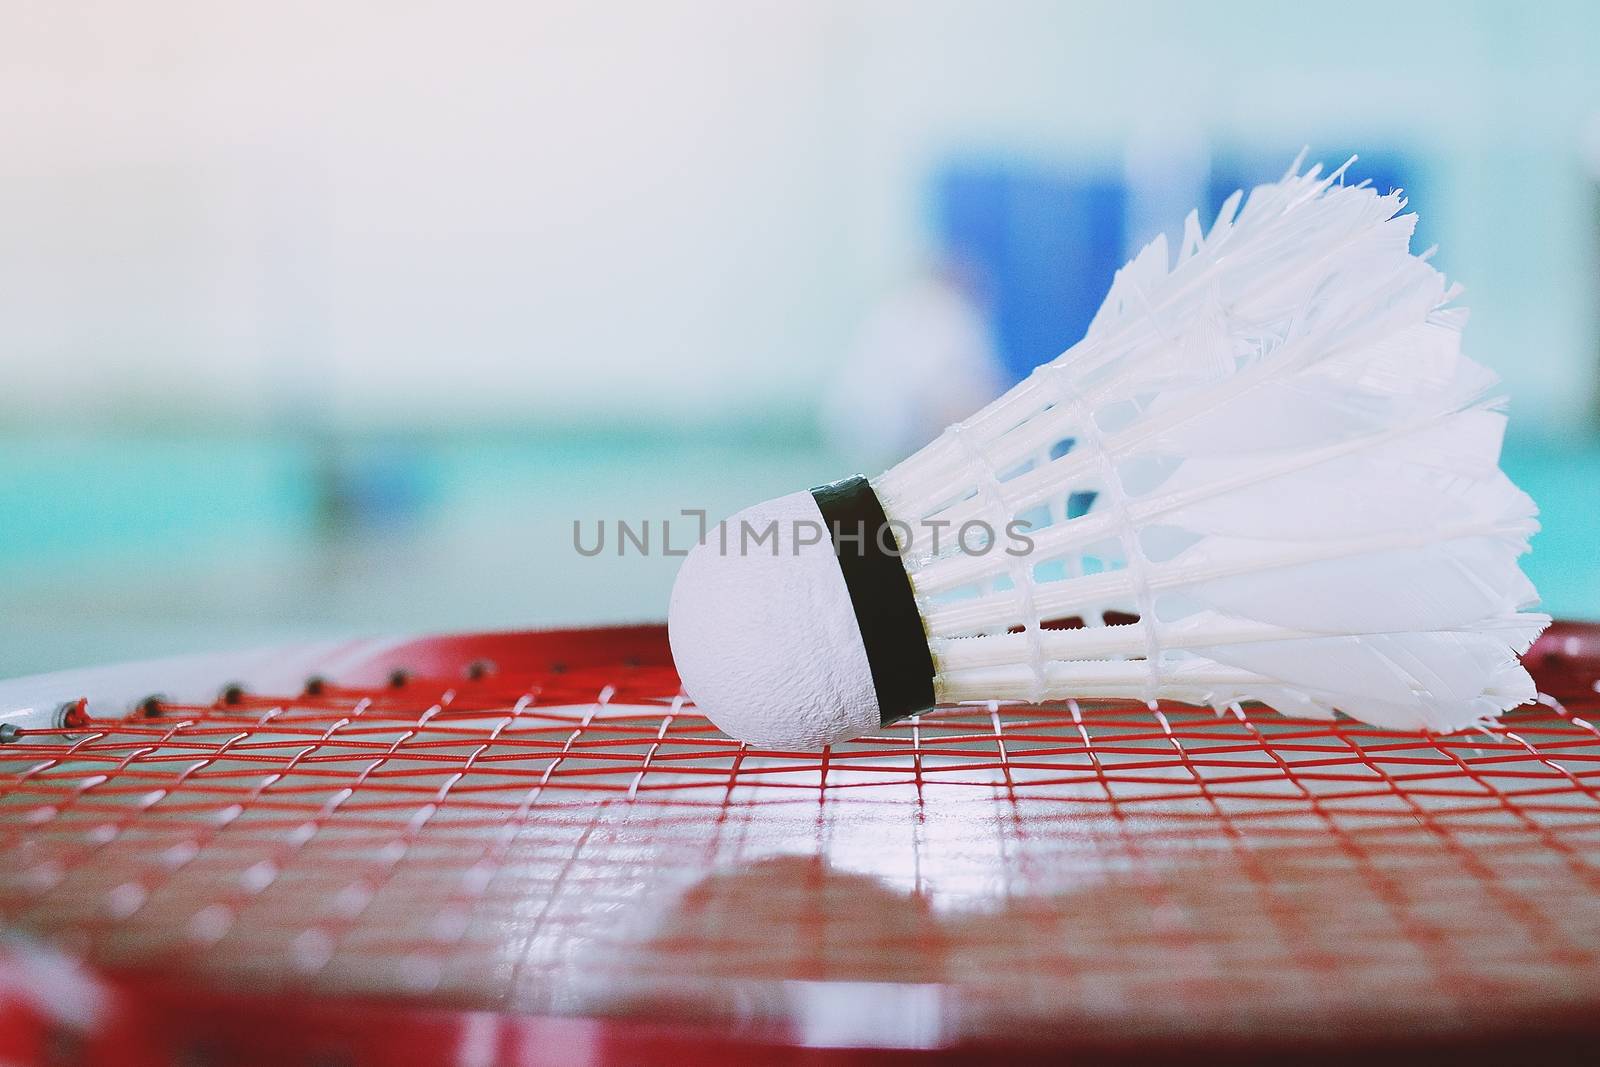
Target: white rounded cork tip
{"x":764,"y":634}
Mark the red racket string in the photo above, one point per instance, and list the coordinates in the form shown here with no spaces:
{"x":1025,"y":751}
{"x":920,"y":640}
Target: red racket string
{"x":542,"y":823}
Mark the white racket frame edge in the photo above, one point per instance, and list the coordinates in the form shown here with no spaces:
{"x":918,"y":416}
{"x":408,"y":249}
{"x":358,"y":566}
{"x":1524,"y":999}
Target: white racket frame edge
{"x":41,"y":701}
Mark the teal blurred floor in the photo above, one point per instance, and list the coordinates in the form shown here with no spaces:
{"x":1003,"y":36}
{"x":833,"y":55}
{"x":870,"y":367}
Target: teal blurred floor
{"x":119,"y":547}
{"x":111,"y":548}
{"x":1563,"y":476}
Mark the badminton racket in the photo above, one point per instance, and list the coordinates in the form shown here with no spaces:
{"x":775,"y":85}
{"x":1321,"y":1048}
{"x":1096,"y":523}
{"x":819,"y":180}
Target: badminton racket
{"x":524,"y":848}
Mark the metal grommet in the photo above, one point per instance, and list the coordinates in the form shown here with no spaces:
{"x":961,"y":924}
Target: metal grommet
{"x":232,"y":694}
{"x":9,"y":732}
{"x":71,"y":713}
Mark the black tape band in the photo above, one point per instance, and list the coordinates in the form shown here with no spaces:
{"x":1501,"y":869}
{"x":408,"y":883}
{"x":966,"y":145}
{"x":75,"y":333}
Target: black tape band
{"x":880,"y":592}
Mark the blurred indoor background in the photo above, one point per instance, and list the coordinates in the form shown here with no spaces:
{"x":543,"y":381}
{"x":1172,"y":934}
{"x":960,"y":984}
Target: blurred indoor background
{"x":325,"y":318}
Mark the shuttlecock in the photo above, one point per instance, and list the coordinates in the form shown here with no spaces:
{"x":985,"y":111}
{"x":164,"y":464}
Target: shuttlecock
{"x":1267,"y":473}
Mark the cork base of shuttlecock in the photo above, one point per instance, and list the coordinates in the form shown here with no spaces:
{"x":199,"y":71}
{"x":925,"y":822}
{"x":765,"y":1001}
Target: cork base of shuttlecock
{"x":764,"y":634}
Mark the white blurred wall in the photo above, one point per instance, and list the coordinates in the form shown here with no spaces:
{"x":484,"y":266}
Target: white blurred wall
{"x":438,"y":212}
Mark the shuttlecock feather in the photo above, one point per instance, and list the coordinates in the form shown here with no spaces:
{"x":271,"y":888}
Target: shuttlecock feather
{"x":1267,"y":473}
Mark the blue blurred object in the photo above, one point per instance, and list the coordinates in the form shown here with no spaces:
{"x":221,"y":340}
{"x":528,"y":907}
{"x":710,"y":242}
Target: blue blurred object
{"x":381,"y":485}
{"x":1041,"y":245}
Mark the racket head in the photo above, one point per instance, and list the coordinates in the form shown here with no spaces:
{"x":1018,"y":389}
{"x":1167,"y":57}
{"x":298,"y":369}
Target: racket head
{"x":387,"y":841}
